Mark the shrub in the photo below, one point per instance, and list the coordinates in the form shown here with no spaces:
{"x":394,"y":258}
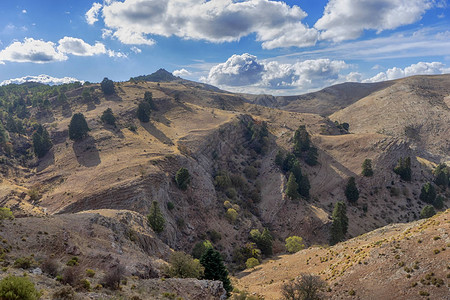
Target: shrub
{"x":90,"y":273}
{"x":201,"y":248}
{"x":442,"y":175}
{"x":50,"y":266}
{"x":439,"y":202}
{"x":242,"y":254}
{"x":71,"y":276}
{"x":64,"y":293}
{"x":184,"y":266}
{"x":367,"y":170}
{"x":24,"y":262}
{"x":232,"y":215}
{"x":294,"y":244}
{"x":6,"y":214}
{"x":170,"y":205}
{"x":427,"y":212}
{"x":222,"y":182}
{"x":215,"y":269}
{"x":251,"y":263}
{"x":78,"y":127}
{"x":107,"y":86}
{"x":351,"y":191}
{"x":308,"y":287}
{"x":85,"y":284}
{"x":182,"y":178}
{"x":251,"y":172}
{"x":113,"y":277}
{"x":155,"y":218}
{"x":214,"y":236}
{"x":13,"y":288}
{"x":263,"y":240}
{"x":108,"y":117}
{"x":231,"y":193}
{"x":74,"y":261}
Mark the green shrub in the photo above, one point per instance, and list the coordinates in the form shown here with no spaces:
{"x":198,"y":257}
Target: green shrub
{"x":90,"y":273}
{"x":6,"y":214}
{"x":222,"y":182}
{"x":232,"y":215}
{"x":184,"y":266}
{"x":427,"y":212}
{"x":24,"y":262}
{"x":428,"y":193}
{"x":201,"y":248}
{"x":170,"y":205}
{"x":367,"y":170}
{"x":294,"y":244}
{"x":251,"y":263}
{"x":74,"y":261}
{"x":263,"y":240}
{"x":182,"y":178}
{"x":15,"y":288}
{"x":231,"y":193}
{"x":155,"y":218}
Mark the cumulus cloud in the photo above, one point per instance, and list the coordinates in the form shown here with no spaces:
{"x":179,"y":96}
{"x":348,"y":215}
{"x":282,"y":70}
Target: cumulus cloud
{"x":182,"y":72}
{"x":78,"y":47}
{"x":347,"y":19}
{"x":92,"y":14}
{"x":421,"y":68}
{"x":31,"y":50}
{"x":45,"y":79}
{"x":275,"y":23}
{"x":246,"y":72}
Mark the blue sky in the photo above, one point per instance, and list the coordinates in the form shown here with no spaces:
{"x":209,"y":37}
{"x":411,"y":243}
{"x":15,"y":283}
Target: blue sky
{"x":257,"y":46}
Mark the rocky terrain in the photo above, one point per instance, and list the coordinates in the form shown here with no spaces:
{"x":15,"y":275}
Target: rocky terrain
{"x":89,"y":198}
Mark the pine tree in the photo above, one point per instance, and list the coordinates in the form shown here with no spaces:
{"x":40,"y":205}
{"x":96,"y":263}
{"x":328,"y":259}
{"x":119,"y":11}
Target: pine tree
{"x":78,"y":127}
{"x":311,"y":156}
{"x":351,"y":191}
{"x":428,"y":193}
{"x":403,"y":168}
{"x":41,"y":141}
{"x":143,"y":112}
{"x":367,"y":168}
{"x":155,"y":218}
{"x":304,"y":186}
{"x":292,"y":188}
{"x":107,"y":86}
{"x":148,"y":97}
{"x":279,"y":158}
{"x":302,"y":140}
{"x":182,"y":178}
{"x":215,"y":269}
{"x":263,"y":240}
{"x":339,"y":226}
{"x":108,"y":117}
{"x":442,"y":176}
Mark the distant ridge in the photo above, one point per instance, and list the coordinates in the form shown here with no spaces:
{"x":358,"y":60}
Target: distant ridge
{"x":159,"y":76}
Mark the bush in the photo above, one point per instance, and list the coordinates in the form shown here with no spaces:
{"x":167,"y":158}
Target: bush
{"x":232,"y":215}
{"x":251,"y":172}
{"x":184,"y":266}
{"x":251,"y":263}
{"x":108,"y":117}
{"x":170,"y":205}
{"x":90,"y":273}
{"x":113,"y":277}
{"x":64,"y":293}
{"x":308,"y":287}
{"x":155,"y":218}
{"x":231,"y":193}
{"x":367,"y":170}
{"x":439,"y":202}
{"x":351,"y":191}
{"x":107,"y":86}
{"x":71,"y":276}
{"x":201,"y":248}
{"x":24,"y":262}
{"x":427,"y":212}
{"x":222,"y":182}
{"x":6,"y":214}
{"x":74,"y":261}
{"x":14,"y":288}
{"x":182,"y":178}
{"x":78,"y":127}
{"x":263,"y":240}
{"x":50,"y":266}
{"x":294,"y":244}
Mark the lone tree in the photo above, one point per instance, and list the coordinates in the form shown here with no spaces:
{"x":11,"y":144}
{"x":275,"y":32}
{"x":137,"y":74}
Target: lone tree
{"x":302,"y":140}
{"x":41,"y":141}
{"x":428,"y":193}
{"x":367,"y":170}
{"x":308,"y":287}
{"x":351,"y":191}
{"x":292,"y":188}
{"x":294,"y":244}
{"x":108,"y":117}
{"x":78,"y":127}
{"x":403,"y":168}
{"x":215,"y":269}
{"x":143,"y":112}
{"x":339,"y":226}
{"x":427,"y":212}
{"x":182,"y":178}
{"x":107,"y":86}
{"x":155,"y":218}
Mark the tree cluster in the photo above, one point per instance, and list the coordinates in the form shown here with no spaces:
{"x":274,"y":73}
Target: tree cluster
{"x":257,"y":136}
{"x":303,"y":147}
{"x":262,"y":240}
{"x":403,"y":168}
{"x":298,"y":183}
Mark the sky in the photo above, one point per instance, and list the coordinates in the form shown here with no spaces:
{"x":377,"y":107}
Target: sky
{"x":254,"y":46}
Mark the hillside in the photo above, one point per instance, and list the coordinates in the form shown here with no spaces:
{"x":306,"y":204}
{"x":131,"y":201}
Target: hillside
{"x":399,"y":261}
{"x":228,"y":146}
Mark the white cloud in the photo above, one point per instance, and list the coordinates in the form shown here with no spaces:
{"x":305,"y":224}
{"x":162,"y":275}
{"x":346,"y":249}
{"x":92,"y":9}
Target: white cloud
{"x":347,"y":19}
{"x":136,"y":50}
{"x":275,"y":23}
{"x":245,"y":73}
{"x":421,"y":68}
{"x":182,"y":72}
{"x":31,"y":50}
{"x":92,"y":14}
{"x":106,"y":33}
{"x":45,"y":79}
{"x":24,"y":11}
{"x":112,"y":53}
{"x":78,"y":47}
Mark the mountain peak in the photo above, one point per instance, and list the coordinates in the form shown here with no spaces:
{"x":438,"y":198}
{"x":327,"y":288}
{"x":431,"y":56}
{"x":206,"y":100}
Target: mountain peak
{"x":159,"y":76}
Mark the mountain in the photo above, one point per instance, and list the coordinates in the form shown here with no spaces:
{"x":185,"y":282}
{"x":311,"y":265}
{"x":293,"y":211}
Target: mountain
{"x":108,"y":181}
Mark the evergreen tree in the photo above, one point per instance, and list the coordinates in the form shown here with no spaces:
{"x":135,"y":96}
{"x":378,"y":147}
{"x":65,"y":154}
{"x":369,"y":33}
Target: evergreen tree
{"x":304,"y":186}
{"x":339,"y":226}
{"x":4,"y":137}
{"x":427,"y":212}
{"x":78,"y":127}
{"x":279,"y":158}
{"x":428,"y":193}
{"x":288,"y":162}
{"x":108,"y":117}
{"x":143,"y":112}
{"x":148,"y":97}
{"x":292,"y":187}
{"x":302,"y":140}
{"x":442,"y":176}
{"x":155,"y":218}
{"x":215,"y":269}
{"x":311,"y":156}
{"x":403,"y":168}
{"x":263,"y":240}
{"x":41,"y":141}
{"x":107,"y":86}
{"x":182,"y":178}
{"x":351,"y":191}
{"x":201,"y":248}
{"x":367,"y":168}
